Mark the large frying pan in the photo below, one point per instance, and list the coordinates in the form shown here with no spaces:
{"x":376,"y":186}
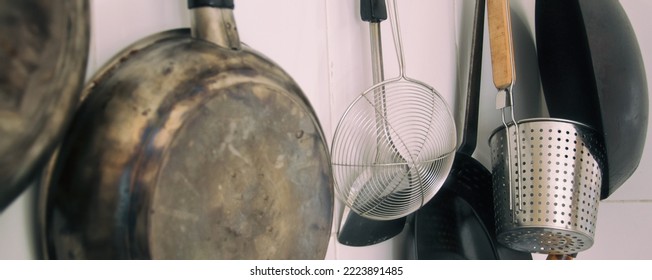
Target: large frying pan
{"x":191,"y":147}
{"x":592,"y":72}
{"x":459,"y":223}
{"x":43,"y":54}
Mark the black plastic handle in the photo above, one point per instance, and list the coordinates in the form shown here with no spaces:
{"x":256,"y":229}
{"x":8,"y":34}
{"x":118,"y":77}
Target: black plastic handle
{"x":225,"y":4}
{"x":373,"y":10}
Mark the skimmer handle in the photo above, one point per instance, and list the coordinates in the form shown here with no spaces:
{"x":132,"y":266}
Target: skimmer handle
{"x":373,"y":10}
{"x":500,"y":41}
{"x":396,"y":32}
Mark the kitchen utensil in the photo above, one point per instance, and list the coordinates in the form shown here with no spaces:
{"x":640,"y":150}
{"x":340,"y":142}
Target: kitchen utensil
{"x":356,"y":230}
{"x":191,"y":148}
{"x":458,"y":223}
{"x":546,"y":195}
{"x":592,"y":72}
{"x":502,"y":61}
{"x":555,"y":209}
{"x":387,"y":174}
{"x":43,"y":54}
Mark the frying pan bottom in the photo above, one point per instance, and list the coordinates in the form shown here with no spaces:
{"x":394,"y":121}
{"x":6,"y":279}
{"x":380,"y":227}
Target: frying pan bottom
{"x":453,"y":225}
{"x":183,"y":150}
{"x":233,"y":183}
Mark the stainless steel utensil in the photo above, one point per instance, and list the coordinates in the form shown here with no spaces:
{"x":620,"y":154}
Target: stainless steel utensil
{"x":555,"y":208}
{"x":389,"y":173}
{"x":354,"y":229}
{"x":547,"y":173}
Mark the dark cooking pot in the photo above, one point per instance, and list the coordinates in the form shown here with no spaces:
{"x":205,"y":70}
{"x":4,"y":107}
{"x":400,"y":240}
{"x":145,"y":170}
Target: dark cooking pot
{"x":43,"y":54}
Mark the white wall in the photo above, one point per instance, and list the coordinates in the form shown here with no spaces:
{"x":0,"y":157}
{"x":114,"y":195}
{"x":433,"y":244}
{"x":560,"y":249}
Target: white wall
{"x":325,"y":47}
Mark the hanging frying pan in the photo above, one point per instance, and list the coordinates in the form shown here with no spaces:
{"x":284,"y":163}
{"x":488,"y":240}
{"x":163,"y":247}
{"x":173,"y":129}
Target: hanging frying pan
{"x":458,"y":223}
{"x":592,"y":71}
{"x":191,"y":147}
{"x":43,"y":53}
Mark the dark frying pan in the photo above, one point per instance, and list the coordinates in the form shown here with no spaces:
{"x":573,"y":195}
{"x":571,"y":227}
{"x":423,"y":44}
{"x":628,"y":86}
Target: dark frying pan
{"x":191,"y":147}
{"x":356,"y":230}
{"x":592,"y":72}
{"x":458,"y":223}
{"x":43,"y":54}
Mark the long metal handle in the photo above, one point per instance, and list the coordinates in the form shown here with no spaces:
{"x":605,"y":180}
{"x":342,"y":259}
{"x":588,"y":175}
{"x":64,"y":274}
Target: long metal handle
{"x":379,"y":94}
{"x":396,"y":32}
{"x":374,"y":11}
{"x":377,"y":71}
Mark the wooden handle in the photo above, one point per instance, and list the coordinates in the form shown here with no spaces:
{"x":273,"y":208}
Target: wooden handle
{"x":500,"y":41}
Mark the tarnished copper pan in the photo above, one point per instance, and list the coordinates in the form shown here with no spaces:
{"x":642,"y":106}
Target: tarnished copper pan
{"x":191,"y":147}
{"x":43,"y":54}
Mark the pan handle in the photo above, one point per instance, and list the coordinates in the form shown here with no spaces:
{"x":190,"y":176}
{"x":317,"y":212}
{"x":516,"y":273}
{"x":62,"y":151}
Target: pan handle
{"x":470,"y":130}
{"x":213,"y":21}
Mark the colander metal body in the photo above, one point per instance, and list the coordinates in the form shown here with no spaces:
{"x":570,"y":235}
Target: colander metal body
{"x":554,"y":211}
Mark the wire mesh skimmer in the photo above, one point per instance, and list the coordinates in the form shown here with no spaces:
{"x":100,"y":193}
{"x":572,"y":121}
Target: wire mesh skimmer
{"x":394,"y":146}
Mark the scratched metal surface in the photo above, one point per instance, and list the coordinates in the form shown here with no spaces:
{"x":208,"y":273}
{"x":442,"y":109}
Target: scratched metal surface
{"x":183,"y":150}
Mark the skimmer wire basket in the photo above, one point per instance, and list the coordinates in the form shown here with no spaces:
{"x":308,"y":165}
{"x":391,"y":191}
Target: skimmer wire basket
{"x":394,"y":145}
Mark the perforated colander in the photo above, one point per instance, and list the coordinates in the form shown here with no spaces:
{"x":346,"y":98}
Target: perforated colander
{"x":394,"y":146}
{"x":554,"y":208}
